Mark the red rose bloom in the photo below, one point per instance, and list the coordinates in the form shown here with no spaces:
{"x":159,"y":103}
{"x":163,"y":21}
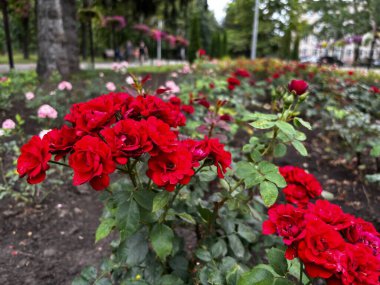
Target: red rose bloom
{"x":128,"y":138}
{"x":188,"y":109}
{"x":169,"y":169}
{"x":286,"y":221}
{"x":198,"y":150}
{"x":361,"y":267}
{"x":301,"y":185}
{"x":298,"y":87}
{"x":201,"y":52}
{"x":34,"y":159}
{"x":321,"y":250}
{"x":242,"y":72}
{"x":61,"y":141}
{"x":92,"y":161}
{"x":374,"y":89}
{"x":331,"y":214}
{"x":233,"y":81}
{"x":212,"y":85}
{"x":162,"y":137}
{"x":220,"y":157}
{"x":276,"y":75}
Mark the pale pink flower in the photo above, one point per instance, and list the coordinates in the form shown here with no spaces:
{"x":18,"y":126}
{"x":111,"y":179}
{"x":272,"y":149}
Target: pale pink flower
{"x":174,"y":74}
{"x":172,"y":86}
{"x":65,"y":85}
{"x":47,"y":111}
{"x":186,"y":69}
{"x":8,"y":124}
{"x":43,"y":133}
{"x":1,"y":132}
{"x":129,"y":80}
{"x":110,"y":86}
{"x":29,"y":95}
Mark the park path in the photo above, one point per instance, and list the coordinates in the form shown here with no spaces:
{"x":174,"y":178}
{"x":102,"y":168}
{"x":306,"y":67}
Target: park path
{"x":4,"y":68}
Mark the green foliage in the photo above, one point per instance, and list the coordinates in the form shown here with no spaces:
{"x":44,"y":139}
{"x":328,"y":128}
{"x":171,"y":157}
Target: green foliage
{"x":195,"y":38}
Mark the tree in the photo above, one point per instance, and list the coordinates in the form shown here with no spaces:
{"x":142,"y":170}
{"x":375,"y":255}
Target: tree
{"x":4,"y":6}
{"x":195,"y":38}
{"x":57,"y":48}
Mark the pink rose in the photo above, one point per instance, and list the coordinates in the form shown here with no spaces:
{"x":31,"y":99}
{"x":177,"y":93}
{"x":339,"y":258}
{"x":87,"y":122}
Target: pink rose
{"x":65,"y":85}
{"x":8,"y":124}
{"x":29,"y":95}
{"x":110,"y":86}
{"x":47,"y":111}
{"x":172,"y":86}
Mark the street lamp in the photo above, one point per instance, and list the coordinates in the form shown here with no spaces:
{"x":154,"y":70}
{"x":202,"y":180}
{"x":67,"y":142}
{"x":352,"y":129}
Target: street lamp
{"x":255,"y":29}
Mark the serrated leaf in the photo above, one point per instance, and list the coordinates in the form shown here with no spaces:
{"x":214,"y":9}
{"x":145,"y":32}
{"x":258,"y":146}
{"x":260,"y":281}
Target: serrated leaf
{"x":219,"y":249}
{"x":203,"y":254}
{"x":160,"y":200}
{"x":246,"y":233}
{"x":300,"y":148}
{"x":375,"y":151}
{"x":236,"y":245}
{"x":303,"y":123}
{"x":89,"y":273}
{"x":187,"y":218}
{"x":128,"y":217}
{"x":104,"y":229}
{"x":162,"y":238}
{"x":279,"y":150}
{"x":278,"y":261}
{"x":286,"y":127}
{"x":145,"y":199}
{"x":276,"y":178}
{"x":268,"y":192}
{"x":262,"y":125}
{"x":256,"y":276}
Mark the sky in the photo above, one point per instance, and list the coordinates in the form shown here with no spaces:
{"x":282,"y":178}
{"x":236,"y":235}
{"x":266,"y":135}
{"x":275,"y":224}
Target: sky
{"x":219,"y":8}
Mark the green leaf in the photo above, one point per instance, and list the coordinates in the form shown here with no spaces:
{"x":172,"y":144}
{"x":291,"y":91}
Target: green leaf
{"x":259,"y":116}
{"x":219,"y":249}
{"x":80,"y":281}
{"x":279,"y":150}
{"x":276,"y":178}
{"x":205,"y":213}
{"x":248,"y":173}
{"x":170,"y":280}
{"x":136,"y":248}
{"x":128,"y":217}
{"x":103,"y":281}
{"x":144,"y":198}
{"x":203,"y":254}
{"x":268,"y":192}
{"x":262,"y":124}
{"x":104,"y":229}
{"x":162,"y":238}
{"x":373,"y":178}
{"x":375,"y":151}
{"x":236,"y":245}
{"x":246,"y":233}
{"x":89,"y":273}
{"x":298,"y":120}
{"x":300,"y":147}
{"x":161,"y":200}
{"x":256,"y":276}
{"x":282,"y":281}
{"x":207,"y":175}
{"x":267,"y":167}
{"x":278,"y":261}
{"x":187,"y":218}
{"x":286,"y":128}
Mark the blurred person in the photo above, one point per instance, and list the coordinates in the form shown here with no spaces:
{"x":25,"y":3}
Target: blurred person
{"x":143,"y":52}
{"x":129,"y":51}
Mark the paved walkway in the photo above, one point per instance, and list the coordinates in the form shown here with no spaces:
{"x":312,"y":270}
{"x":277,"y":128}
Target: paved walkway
{"x":98,"y":65}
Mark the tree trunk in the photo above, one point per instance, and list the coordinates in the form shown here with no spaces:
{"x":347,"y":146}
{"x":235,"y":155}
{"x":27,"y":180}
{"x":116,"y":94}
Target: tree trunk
{"x":69,"y":13}
{"x":25,"y":40}
{"x":4,"y":5}
{"x":57,"y":38}
{"x":373,"y":43}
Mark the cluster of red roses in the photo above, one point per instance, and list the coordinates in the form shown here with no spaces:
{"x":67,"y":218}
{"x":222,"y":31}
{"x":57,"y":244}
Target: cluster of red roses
{"x":332,"y":244}
{"x":234,"y":81}
{"x":111,"y":130}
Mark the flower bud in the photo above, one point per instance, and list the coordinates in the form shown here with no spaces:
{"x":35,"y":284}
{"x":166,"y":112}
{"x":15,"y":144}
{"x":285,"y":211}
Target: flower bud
{"x":298,"y":87}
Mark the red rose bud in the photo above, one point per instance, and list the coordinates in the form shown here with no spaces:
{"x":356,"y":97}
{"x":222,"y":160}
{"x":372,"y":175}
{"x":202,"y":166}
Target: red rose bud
{"x":298,"y":87}
{"x":212,"y":85}
{"x":201,"y":52}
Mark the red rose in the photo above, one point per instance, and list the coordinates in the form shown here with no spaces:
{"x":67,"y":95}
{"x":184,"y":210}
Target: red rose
{"x":188,"y":109}
{"x":233,"y":81}
{"x":92,"y":161}
{"x":198,"y":150}
{"x":201,"y":52}
{"x":321,"y":250}
{"x":226,"y":117}
{"x":331,"y":214}
{"x":175,"y":100}
{"x":231,"y":87}
{"x":212,"y":85}
{"x":242,"y":72}
{"x":61,"y":141}
{"x":276,"y":75}
{"x":162,"y":137}
{"x":34,"y":159}
{"x":286,"y":221}
{"x":298,"y":87}
{"x":301,"y":185}
{"x":220,"y":157}
{"x":128,"y":138}
{"x":361,"y":267}
{"x":169,"y":169}
{"x":374,"y":89}
{"x":203,"y":102}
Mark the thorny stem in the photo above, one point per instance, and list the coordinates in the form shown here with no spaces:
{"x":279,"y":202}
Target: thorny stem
{"x":301,"y":272}
{"x":59,"y":163}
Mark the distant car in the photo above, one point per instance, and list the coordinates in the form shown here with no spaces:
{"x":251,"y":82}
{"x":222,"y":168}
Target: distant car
{"x":330,"y":60}
{"x":309,"y":59}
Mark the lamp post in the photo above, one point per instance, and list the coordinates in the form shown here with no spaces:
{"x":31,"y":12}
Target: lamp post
{"x":159,"y":42}
{"x":255,"y":29}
